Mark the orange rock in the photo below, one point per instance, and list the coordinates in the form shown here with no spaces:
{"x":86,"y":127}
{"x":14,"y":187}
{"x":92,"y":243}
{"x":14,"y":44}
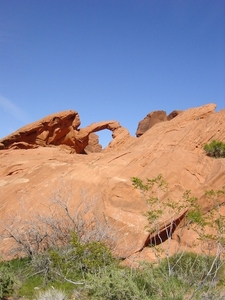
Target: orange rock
{"x":153,"y":118}
{"x":60,"y":129}
{"x":40,"y":168}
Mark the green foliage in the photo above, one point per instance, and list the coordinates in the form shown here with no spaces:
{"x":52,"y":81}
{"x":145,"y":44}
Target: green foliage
{"x":23,"y":276}
{"x":63,"y":268}
{"x":163,"y":216}
{"x":6,"y":279}
{"x":152,"y":281}
{"x":163,"y":211}
{"x":215,"y":218}
{"x":74,"y":261}
{"x":89,"y":270}
{"x":215,"y":149}
{"x":91,"y":255}
{"x":115,"y":284}
{"x":150,"y":183}
{"x":148,"y":282}
{"x":153,"y":190}
{"x":28,"y":285}
{"x":191,"y":267}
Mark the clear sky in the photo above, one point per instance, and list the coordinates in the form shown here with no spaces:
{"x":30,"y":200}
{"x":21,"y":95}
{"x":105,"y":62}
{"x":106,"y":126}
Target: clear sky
{"x":109,"y":59}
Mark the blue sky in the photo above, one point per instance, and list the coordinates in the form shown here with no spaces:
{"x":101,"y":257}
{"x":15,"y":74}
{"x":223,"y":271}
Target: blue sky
{"x":109,"y":59}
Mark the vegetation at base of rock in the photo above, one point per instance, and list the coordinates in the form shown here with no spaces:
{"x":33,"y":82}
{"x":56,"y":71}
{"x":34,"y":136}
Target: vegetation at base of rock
{"x":85,"y":268}
{"x":51,"y":294}
{"x":6,"y":279}
{"x":215,"y":149}
{"x":114,"y":282}
{"x":165,"y":216}
{"x":151,"y":281}
{"x":63,"y":267}
{"x":31,"y":234}
{"x":73,"y":262}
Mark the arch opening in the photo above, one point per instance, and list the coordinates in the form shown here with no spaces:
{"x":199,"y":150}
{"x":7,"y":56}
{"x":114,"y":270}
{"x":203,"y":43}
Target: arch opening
{"x":105,"y":137}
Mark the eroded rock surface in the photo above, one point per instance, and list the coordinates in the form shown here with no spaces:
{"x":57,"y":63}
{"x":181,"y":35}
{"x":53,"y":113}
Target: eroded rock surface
{"x":31,"y":179}
{"x":60,"y":129}
{"x":93,"y":144}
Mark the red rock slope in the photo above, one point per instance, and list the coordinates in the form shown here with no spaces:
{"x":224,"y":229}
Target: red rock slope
{"x":30,"y":178}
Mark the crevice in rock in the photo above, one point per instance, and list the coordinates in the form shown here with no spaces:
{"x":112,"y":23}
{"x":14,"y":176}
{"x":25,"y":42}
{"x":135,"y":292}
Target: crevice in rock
{"x":157,"y":237}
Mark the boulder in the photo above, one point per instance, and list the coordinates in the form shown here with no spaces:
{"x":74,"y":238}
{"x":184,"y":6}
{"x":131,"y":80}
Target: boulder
{"x":153,"y":118}
{"x":150,"y":120}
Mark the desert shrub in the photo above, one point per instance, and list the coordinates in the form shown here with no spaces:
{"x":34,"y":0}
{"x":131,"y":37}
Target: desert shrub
{"x":23,"y":277}
{"x":192,"y":268}
{"x":6,"y":280}
{"x":157,"y":284}
{"x":61,"y":246}
{"x":192,"y":276}
{"x":73,"y":262}
{"x":91,"y":256}
{"x":31,"y":234}
{"x":164,"y":216}
{"x":147,"y":282}
{"x":215,"y":149}
{"x":51,"y":294}
{"x":114,"y":284}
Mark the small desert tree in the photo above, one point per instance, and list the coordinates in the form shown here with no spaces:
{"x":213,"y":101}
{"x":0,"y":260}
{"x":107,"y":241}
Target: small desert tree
{"x":165,"y":215}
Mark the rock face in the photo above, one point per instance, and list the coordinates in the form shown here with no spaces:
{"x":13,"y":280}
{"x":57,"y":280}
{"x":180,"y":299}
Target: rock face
{"x":60,"y":129}
{"x":153,"y":118}
{"x":30,"y":179}
{"x":93,"y":144}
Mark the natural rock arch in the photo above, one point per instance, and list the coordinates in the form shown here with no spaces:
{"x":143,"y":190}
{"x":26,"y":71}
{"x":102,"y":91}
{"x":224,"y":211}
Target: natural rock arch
{"x":60,"y":129}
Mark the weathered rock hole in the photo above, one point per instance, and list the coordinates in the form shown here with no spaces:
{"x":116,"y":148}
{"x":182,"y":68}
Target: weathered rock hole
{"x":14,"y":172}
{"x":105,"y":137}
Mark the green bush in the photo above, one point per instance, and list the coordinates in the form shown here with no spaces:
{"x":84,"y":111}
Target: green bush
{"x":147,"y":282}
{"x":73,"y":262}
{"x":191,"y":267}
{"x":90,"y":256}
{"x":115,"y":284}
{"x":215,"y":149}
{"x":6,"y":280}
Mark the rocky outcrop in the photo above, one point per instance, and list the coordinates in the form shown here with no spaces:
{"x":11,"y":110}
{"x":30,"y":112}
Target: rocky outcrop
{"x":56,"y":129}
{"x":150,"y":120}
{"x":153,"y":118}
{"x":30,"y":180}
{"x":93,"y":144}
{"x":60,"y":129}
{"x":173,"y":114}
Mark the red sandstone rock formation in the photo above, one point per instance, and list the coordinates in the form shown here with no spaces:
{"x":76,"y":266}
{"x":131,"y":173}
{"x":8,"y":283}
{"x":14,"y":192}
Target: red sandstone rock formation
{"x":30,"y":178}
{"x":93,"y":144}
{"x":60,"y":129}
{"x":153,"y":118}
